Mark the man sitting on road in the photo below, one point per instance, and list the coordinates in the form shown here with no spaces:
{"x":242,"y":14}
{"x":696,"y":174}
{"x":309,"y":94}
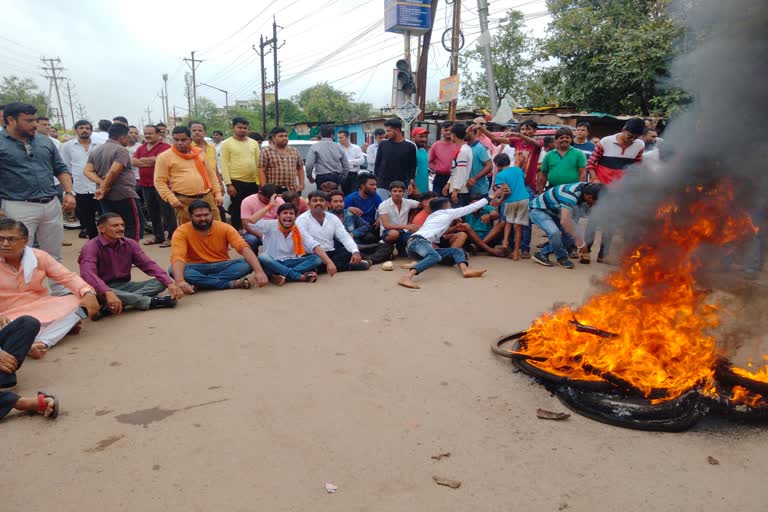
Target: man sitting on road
{"x":367,"y":240}
{"x":253,"y":204}
{"x":555,"y":211}
{"x":200,"y":254}
{"x":481,"y":230}
{"x":289,"y":254}
{"x":329,"y":232}
{"x":394,"y":214}
{"x":421,"y":245}
{"x":365,"y":202}
{"x":105,"y":263}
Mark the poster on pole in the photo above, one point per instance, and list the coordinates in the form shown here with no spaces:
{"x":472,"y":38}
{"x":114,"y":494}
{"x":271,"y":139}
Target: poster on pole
{"x":449,"y":89}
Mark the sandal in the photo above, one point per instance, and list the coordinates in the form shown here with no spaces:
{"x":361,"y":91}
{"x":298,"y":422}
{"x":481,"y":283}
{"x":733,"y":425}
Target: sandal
{"x":42,"y":405}
{"x":167,"y":243}
{"x":310,"y":277}
{"x":242,"y":283}
{"x":151,"y":242}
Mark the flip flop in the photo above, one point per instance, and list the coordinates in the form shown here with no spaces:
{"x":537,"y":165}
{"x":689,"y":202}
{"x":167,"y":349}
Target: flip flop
{"x":167,"y":243}
{"x":42,"y":405}
{"x":311,"y":277}
{"x":151,"y":242}
{"x":245,"y":283}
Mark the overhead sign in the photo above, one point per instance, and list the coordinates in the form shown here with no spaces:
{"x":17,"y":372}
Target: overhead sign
{"x":414,"y":16}
{"x":449,"y":89}
{"x":408,"y":112}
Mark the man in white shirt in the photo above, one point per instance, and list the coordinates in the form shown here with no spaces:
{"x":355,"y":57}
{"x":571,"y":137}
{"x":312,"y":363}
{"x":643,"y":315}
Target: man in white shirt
{"x":462,"y":164}
{"x":101,"y":134}
{"x":330,"y":233}
{"x":289,"y":254}
{"x":355,"y":157}
{"x":379,"y":134}
{"x":75,"y":155}
{"x":394,"y":214}
{"x":421,"y":245}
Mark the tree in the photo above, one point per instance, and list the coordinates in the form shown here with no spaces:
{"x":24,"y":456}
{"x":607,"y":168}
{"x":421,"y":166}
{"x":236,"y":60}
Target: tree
{"x":611,"y":54}
{"x":322,"y":102}
{"x":26,"y":90}
{"x":512,"y":64}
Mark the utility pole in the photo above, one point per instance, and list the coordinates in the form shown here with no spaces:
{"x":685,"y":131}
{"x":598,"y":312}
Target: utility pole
{"x":262,"y":54}
{"x":455,"y":42}
{"x":226,"y":95}
{"x":167,"y":111}
{"x":421,"y":76}
{"x":189,"y":91}
{"x":485,"y":41}
{"x":161,"y":95}
{"x":71,"y":106}
{"x":193,"y":64}
{"x":149,"y":115}
{"x":277,"y":72}
{"x":53,"y":67}
{"x":81,"y":111}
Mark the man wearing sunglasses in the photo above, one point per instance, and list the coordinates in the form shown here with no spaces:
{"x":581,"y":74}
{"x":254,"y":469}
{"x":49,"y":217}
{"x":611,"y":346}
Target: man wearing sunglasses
{"x":28,"y":164}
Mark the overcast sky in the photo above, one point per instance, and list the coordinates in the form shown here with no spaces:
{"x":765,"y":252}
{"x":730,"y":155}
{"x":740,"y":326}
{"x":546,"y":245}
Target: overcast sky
{"x":114,"y":53}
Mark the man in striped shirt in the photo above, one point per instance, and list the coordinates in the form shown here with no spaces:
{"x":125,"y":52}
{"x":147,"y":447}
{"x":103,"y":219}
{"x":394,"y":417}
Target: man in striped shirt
{"x":556,"y":211}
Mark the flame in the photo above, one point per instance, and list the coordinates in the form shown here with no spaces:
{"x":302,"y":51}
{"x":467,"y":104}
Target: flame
{"x":741,"y":395}
{"x":760,"y":375}
{"x":660,"y":317}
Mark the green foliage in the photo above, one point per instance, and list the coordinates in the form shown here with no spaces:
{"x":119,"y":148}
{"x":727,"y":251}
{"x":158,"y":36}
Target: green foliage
{"x":322,"y":102}
{"x":512,"y":64}
{"x":611,"y":54}
{"x":14,"y":88}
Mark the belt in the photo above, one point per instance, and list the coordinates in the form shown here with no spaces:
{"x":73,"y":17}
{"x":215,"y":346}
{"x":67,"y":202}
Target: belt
{"x":40,"y":200}
{"x":198,"y":196}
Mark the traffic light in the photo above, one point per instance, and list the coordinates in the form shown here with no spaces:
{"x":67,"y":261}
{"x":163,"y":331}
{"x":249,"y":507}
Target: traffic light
{"x":406,"y":82}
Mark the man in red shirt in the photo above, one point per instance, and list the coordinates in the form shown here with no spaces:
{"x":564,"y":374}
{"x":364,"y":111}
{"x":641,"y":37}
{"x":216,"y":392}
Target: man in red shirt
{"x":527,"y":153}
{"x":160,"y":213}
{"x":441,"y":155}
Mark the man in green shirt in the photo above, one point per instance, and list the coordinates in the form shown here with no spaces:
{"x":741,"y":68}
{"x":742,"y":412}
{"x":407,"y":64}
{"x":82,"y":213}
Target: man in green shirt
{"x":564,"y":164}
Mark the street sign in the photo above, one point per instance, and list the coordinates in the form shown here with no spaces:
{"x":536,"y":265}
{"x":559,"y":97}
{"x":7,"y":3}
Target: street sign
{"x":449,"y":89}
{"x":414,"y":16}
{"x":408,"y":112}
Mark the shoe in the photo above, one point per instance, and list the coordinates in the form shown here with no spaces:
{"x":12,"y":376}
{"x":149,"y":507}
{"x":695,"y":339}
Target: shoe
{"x":573,"y":253}
{"x":542,"y":259}
{"x":162,"y":302}
{"x":525,"y":255}
{"x":82,"y":234}
{"x":565,"y":263}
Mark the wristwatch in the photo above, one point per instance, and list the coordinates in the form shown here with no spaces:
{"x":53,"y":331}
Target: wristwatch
{"x":70,"y":193}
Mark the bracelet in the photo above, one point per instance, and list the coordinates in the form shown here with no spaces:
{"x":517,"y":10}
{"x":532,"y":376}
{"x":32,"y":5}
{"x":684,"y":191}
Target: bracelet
{"x":581,"y":246}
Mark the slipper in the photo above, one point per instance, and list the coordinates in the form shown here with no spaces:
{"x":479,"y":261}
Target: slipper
{"x":311,"y":277}
{"x":42,"y":405}
{"x":151,"y":242}
{"x":245,"y":283}
{"x":167,"y":243}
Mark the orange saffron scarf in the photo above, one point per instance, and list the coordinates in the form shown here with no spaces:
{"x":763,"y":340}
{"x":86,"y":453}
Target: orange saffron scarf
{"x":298,"y":245}
{"x":194,"y":154}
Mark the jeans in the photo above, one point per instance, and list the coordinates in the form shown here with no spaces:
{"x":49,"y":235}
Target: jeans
{"x":217,"y":276}
{"x":243,"y":189}
{"x":330,"y":176}
{"x":160,"y":213}
{"x":525,"y":238}
{"x":552,"y":228}
{"x":128,"y":209}
{"x":137,"y":294}
{"x":15,"y":338}
{"x":421,"y":249}
{"x":439,"y":183}
{"x":87,"y":209}
{"x":253,"y":241}
{"x":291,"y":268}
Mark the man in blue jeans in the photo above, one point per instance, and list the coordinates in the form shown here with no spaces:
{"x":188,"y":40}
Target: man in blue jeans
{"x":289,"y":253}
{"x":422,"y":244}
{"x":555,"y":212}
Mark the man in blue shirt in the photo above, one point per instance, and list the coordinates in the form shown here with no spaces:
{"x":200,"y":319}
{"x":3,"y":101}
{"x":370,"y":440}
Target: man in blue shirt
{"x":481,"y":164}
{"x":365,"y":202}
{"x":555,"y":211}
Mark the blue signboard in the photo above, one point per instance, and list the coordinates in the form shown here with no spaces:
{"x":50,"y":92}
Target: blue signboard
{"x":413,"y":16}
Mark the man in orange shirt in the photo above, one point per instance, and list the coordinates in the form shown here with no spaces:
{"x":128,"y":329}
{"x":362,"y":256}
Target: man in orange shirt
{"x":182,"y":175}
{"x":200,"y":254}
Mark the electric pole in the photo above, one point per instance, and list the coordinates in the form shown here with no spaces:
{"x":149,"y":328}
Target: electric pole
{"x":167,"y":111}
{"x":71,"y":105}
{"x":264,"y":85}
{"x":81,"y":111}
{"x":52,"y":67}
{"x":485,"y":42}
{"x":188,"y":94}
{"x":455,"y":43}
{"x":277,"y":72}
{"x":162,"y":101}
{"x":421,"y":75}
{"x":149,"y":115}
{"x":193,"y":64}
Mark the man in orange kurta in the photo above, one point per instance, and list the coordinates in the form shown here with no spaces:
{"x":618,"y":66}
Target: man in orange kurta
{"x":22,"y":290}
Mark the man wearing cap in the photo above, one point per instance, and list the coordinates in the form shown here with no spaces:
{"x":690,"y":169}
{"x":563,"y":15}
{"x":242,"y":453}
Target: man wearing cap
{"x":419,"y":137}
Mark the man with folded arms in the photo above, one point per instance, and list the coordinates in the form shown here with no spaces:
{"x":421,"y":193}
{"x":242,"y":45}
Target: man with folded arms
{"x":105,"y":263}
{"x":200,"y":253}
{"x":182,"y":176}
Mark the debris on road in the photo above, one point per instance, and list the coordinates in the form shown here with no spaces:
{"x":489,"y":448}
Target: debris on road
{"x":331,"y":488}
{"x":543,"y":414}
{"x":453,"y":484}
{"x":713,"y":460}
{"x":441,"y":456}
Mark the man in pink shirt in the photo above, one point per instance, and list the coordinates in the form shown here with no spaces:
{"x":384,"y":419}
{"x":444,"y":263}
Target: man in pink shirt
{"x":255,"y":203}
{"x":441,"y":156}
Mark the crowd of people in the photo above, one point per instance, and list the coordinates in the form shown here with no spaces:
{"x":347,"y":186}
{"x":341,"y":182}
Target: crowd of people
{"x":470,"y":191}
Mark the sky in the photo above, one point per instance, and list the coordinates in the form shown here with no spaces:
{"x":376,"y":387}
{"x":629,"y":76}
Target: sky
{"x":115,"y":53}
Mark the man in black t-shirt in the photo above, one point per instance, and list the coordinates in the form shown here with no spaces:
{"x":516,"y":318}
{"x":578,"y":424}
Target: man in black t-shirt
{"x":395,"y":159}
